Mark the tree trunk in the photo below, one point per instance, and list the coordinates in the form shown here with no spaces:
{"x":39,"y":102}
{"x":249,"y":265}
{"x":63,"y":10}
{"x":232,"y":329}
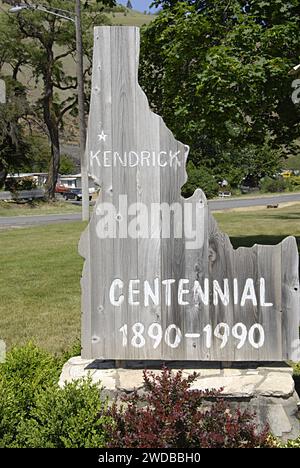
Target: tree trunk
{"x":55,"y":157}
{"x":3,"y":174}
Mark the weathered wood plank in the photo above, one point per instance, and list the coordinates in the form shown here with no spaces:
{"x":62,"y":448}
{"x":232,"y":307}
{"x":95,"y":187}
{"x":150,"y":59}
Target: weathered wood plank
{"x":172,"y":247}
{"x":100,"y":112}
{"x":195,"y":316}
{"x":221,"y":269}
{"x":270,"y":267}
{"x":149,"y":259}
{"x":101,"y":120}
{"x":290,"y":300}
{"x":124,"y":108}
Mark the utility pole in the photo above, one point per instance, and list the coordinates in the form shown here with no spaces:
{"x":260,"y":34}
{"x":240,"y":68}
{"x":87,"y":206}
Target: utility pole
{"x":2,"y":92}
{"x":82,"y":126}
{"x":3,"y":170}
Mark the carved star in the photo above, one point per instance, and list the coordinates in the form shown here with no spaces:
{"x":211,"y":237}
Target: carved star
{"x":102,"y":136}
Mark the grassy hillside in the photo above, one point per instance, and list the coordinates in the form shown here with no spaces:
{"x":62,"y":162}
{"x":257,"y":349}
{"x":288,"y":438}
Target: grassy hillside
{"x":131,"y":18}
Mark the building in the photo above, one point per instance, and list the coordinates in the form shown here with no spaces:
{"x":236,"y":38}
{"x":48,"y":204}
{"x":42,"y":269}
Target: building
{"x":39,"y":178}
{"x":74,"y":181}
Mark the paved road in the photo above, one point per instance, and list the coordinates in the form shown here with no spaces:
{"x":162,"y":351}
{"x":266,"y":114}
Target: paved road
{"x":223,"y":204}
{"x":230,"y":203}
{"x":21,"y":221}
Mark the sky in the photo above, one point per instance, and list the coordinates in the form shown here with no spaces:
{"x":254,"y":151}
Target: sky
{"x":140,"y":5}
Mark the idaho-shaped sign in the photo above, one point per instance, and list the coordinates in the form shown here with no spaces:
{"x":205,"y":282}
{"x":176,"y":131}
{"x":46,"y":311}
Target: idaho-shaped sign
{"x":160,"y":281}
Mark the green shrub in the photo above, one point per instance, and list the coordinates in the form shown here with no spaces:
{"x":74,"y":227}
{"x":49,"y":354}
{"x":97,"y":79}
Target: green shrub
{"x":75,"y":350}
{"x":268,"y":184}
{"x":294,"y":182}
{"x":296,"y":368}
{"x":26,"y":371}
{"x":292,"y":443}
{"x":35,"y":412}
{"x":72,"y":417}
{"x":200,"y":177}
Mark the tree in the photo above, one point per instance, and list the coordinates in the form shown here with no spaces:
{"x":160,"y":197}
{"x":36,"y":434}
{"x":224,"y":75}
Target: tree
{"x":13,"y":146}
{"x":17,"y":109}
{"x":129,"y":5}
{"x":219,"y":76}
{"x":49,"y":41}
{"x":67,"y":165}
{"x":39,"y":153}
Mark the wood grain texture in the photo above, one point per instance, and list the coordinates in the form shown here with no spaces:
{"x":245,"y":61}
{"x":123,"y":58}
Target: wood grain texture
{"x":175,"y":290}
{"x":290,"y":299}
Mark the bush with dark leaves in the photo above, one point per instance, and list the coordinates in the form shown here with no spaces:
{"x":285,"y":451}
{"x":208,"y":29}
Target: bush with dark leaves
{"x":172,"y":415}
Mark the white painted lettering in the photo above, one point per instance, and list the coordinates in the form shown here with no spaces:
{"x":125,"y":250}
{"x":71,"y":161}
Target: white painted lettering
{"x":199,"y":294}
{"x":218,"y":293}
{"x":249,"y":293}
{"x":168,"y":284}
{"x":182,"y":292}
{"x":149,"y":294}
{"x":262,"y":294}
{"x":133,"y":292}
{"x":106,"y":159}
{"x":235,"y":292}
{"x":117,"y":283}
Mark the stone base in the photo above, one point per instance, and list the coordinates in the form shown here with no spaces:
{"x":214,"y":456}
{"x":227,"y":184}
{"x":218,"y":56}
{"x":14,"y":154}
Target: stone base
{"x":269,"y":390}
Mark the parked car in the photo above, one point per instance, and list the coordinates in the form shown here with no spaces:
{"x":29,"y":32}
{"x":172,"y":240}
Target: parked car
{"x":75,"y":194}
{"x":62,"y":189}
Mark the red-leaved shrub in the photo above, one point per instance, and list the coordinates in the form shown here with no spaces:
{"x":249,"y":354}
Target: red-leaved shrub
{"x":169,"y":415}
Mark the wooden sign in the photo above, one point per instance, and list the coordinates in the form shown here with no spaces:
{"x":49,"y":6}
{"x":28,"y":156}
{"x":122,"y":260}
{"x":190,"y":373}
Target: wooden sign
{"x":160,"y":280}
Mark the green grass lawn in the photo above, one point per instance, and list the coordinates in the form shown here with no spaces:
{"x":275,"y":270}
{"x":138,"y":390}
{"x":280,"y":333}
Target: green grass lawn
{"x":39,"y":284}
{"x":37,"y":208}
{"x":262,"y":226}
{"x":41,"y":269}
